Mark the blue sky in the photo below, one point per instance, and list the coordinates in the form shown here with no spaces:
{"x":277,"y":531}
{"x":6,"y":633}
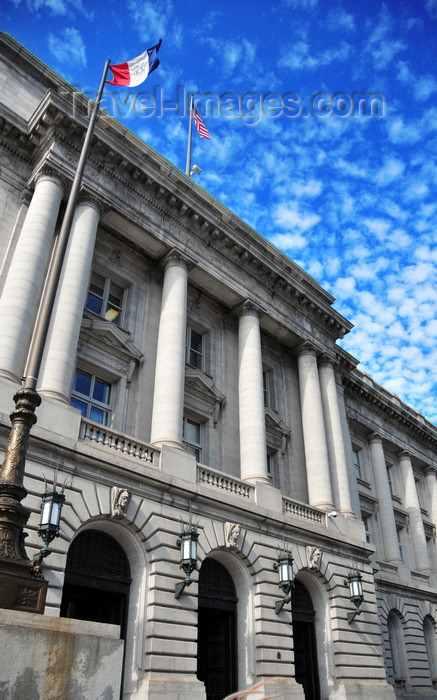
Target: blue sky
{"x":351,"y":198}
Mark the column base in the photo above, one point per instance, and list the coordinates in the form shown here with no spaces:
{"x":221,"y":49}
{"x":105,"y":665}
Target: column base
{"x":280,"y":688}
{"x":363,"y":690}
{"x":168,"y":687}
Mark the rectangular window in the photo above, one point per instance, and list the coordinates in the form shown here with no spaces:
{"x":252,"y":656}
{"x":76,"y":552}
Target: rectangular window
{"x":91,"y":395}
{"x":357,"y":463}
{"x":267,"y":388}
{"x":194,"y":348}
{"x":401,"y":546}
{"x":389,"y":477}
{"x":105,"y":298}
{"x":366,"y":523}
{"x":191,"y":438}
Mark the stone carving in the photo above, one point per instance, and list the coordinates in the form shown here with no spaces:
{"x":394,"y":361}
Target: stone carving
{"x":232,"y":532}
{"x":313,"y":557}
{"x":120,"y":501}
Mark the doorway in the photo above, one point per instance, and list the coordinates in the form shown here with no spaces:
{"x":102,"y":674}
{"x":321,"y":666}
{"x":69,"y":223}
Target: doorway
{"x":97,"y":580}
{"x":304,"y":638}
{"x":217,"y":625}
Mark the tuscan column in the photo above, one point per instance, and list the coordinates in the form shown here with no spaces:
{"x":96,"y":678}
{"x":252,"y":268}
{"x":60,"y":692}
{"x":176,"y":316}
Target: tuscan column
{"x":412,"y":505}
{"x":59,"y":359}
{"x":314,"y":434}
{"x":335,"y":437}
{"x":385,"y":504}
{"x":253,"y":451}
{"x":22,"y":290}
{"x":431,"y":487}
{"x":168,"y":396}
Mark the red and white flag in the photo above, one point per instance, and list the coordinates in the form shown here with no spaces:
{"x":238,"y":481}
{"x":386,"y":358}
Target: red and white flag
{"x":200,"y":126}
{"x":134,"y":72}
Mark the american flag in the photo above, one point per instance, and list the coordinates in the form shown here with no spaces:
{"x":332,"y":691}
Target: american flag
{"x":200,"y":126}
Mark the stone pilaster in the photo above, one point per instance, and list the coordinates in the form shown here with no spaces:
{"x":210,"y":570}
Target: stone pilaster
{"x":314,"y":433}
{"x":253,"y":454}
{"x":335,"y":437}
{"x":168,"y":396}
{"x":23,"y":285}
{"x":59,"y":358}
{"x":385,"y":504}
{"x":431,"y":487}
{"x":412,"y":505}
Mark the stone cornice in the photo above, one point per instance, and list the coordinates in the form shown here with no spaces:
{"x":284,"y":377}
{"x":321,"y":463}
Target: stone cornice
{"x":364,"y":390}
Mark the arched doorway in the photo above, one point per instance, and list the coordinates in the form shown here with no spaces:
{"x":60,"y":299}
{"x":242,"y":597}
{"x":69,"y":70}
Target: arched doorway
{"x":304,"y":639}
{"x":97,"y":580}
{"x":217,"y":625}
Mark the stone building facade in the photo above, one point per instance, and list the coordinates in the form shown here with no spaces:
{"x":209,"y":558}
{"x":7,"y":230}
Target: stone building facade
{"x":192,"y":374}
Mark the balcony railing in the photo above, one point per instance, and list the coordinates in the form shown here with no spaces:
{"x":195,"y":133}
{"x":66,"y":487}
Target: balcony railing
{"x":211,"y":477}
{"x":117,"y":442}
{"x":301,"y":510}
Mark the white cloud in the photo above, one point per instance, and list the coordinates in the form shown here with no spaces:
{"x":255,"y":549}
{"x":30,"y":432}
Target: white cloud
{"x":339,"y":19}
{"x":68,"y":46}
{"x":303,"y":57}
{"x":391,"y":170}
{"x":311,"y":188}
{"x":289,"y":216}
{"x":289,"y":241}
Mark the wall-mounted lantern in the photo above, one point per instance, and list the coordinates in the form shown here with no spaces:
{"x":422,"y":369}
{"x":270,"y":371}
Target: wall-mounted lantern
{"x":355,"y":585}
{"x":284,"y":567}
{"x":48,"y":528}
{"x":188,"y":551}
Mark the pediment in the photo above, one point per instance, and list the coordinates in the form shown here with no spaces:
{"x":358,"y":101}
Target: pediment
{"x":103,"y":339}
{"x":277,"y":432}
{"x":201,"y":392}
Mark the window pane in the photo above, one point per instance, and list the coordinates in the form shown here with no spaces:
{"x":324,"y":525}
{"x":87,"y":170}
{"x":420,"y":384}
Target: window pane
{"x":192,"y":432}
{"x":195,"y":349}
{"x":82,"y":383}
{"x":101,"y":391}
{"x":81,"y":405}
{"x":97,"y":284}
{"x":98,"y":415}
{"x":193,"y":451}
{"x":95,"y":293}
{"x":115,"y":295}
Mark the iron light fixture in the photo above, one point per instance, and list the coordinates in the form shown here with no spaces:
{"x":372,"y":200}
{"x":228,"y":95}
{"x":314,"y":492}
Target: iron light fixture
{"x":284,"y":567}
{"x":355,"y":584}
{"x":48,"y":529}
{"x":188,"y":549}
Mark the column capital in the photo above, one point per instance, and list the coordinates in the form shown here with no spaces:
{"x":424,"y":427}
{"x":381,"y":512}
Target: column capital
{"x":248,"y":308}
{"x":326,"y":361}
{"x":403,"y":454}
{"x":430,"y":470}
{"x":177,"y":259}
{"x":89,"y":199}
{"x":306,"y":348}
{"x":48,"y":172}
{"x":375,"y":438}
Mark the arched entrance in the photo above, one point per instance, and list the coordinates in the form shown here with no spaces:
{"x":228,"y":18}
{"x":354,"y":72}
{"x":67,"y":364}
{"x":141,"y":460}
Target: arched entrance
{"x":304,"y":639}
{"x":97,"y":580}
{"x":217,"y":625}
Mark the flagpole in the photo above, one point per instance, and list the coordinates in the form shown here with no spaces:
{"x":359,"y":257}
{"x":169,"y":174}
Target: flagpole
{"x":190,"y":128}
{"x":16,"y":569}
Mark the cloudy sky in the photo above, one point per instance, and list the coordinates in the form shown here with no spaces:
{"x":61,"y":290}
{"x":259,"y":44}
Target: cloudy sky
{"x":348,"y":196}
